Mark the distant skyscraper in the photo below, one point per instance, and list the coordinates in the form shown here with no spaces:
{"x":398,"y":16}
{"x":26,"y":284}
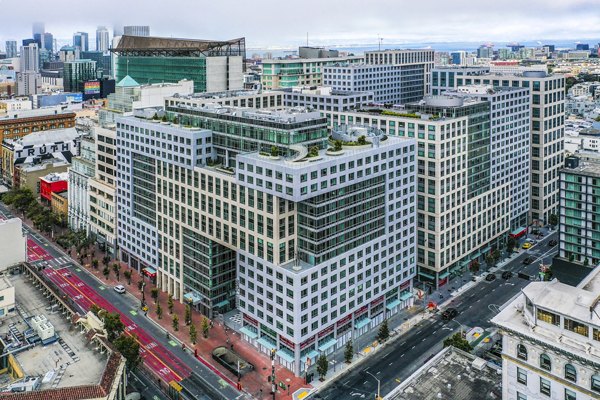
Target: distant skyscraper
{"x":48,"y":42}
{"x":102,"y":39}
{"x":30,"y":58}
{"x":136,"y":30}
{"x":38,"y":28}
{"x":485,"y":51}
{"x":11,"y":48}
{"x":117,"y":30}
{"x":80,"y":40}
{"x":37,"y":37}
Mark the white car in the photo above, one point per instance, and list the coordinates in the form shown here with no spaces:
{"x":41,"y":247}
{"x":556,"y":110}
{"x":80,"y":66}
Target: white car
{"x":120,"y":289}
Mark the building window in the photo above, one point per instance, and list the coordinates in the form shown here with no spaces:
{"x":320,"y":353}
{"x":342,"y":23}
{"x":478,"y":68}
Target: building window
{"x":570,"y":395}
{"x":545,"y":386}
{"x":522,"y":376}
{"x":545,"y":362}
{"x":548,"y":317}
{"x":576,"y":327}
{"x":596,"y":383}
{"x":521,"y":396}
{"x":521,"y":352}
{"x":570,"y":372}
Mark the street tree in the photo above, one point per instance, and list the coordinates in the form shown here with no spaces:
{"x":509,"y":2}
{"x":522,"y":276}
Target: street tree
{"x":95,"y":309}
{"x":105,"y":260}
{"x":112,"y":324}
{"x":474,"y":266}
{"x":175,"y":322}
{"x":193,"y":334}
{"x":511,"y":243}
{"x":489,"y":259}
{"x":129,"y":347}
{"x":117,"y":270}
{"x":496,"y":254}
{"x":188,"y":314}
{"x":159,"y":311}
{"x":106,"y":272}
{"x":205,"y":326}
{"x":348,"y":352}
{"x":170,"y":303}
{"x":95,"y":263}
{"x":553,"y":219}
{"x":322,"y":366}
{"x":458,"y":341}
{"x":127,"y":275}
{"x":154,"y":294}
{"x":384,"y":331}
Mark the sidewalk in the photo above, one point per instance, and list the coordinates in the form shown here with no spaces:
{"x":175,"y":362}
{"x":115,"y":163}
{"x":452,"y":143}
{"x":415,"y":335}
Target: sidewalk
{"x":252,"y":382}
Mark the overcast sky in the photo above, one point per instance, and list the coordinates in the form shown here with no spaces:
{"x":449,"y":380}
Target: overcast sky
{"x":280,"y":23}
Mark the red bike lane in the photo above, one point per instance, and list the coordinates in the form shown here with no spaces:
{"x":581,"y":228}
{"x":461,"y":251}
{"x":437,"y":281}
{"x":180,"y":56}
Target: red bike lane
{"x":35,"y":252}
{"x":155,"y":356}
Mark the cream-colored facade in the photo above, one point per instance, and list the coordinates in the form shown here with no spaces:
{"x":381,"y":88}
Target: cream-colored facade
{"x":102,"y":191}
{"x":455,"y":226}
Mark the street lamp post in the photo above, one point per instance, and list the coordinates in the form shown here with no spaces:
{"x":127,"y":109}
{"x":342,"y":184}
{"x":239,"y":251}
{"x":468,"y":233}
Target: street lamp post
{"x":378,"y":385}
{"x":462,"y":327}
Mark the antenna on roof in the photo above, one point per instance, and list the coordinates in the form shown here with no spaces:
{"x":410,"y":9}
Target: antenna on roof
{"x":306,"y":39}
{"x":379,"y":39}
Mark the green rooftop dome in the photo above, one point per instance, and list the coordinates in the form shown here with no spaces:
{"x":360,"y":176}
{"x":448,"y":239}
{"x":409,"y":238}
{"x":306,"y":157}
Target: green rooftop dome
{"x":127,"y":82}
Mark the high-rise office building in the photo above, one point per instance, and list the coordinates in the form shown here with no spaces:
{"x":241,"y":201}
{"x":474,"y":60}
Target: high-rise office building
{"x":394,"y":76}
{"x":48,"y":42}
{"x":80,"y":40}
{"x":464,"y":200}
{"x":547,"y":92}
{"x":38,"y":28}
{"x":11,"y":48}
{"x":212,"y":65}
{"x":30,"y":58}
{"x":485,"y":51}
{"x":76,"y":73}
{"x":102,"y":39}
{"x":579,"y":227}
{"x":103,"y":216}
{"x":136,"y":30}
{"x":324,"y":249}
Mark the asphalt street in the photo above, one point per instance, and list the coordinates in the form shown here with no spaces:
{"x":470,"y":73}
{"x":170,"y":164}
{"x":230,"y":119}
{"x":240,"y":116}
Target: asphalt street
{"x":400,"y":359}
{"x":201,"y":383}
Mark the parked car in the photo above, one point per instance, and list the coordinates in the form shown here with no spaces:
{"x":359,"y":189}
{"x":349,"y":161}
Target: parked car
{"x":552,"y":243}
{"x":528,"y":260}
{"x":449,"y":314}
{"x":120,"y":289}
{"x":527,"y":245}
{"x":507,"y":275}
{"x":490,"y":277}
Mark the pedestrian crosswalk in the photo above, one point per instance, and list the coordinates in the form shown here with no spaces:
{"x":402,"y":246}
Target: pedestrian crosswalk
{"x":56,"y":263}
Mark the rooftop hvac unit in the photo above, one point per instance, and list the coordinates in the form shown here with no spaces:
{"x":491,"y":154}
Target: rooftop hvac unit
{"x":45,"y":331}
{"x":36,"y":321}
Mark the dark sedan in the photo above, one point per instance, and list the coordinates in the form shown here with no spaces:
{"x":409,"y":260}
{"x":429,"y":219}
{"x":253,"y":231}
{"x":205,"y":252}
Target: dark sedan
{"x":552,"y":243}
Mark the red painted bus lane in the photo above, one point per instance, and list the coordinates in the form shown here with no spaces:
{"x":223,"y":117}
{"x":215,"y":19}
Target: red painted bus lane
{"x":155,"y":356}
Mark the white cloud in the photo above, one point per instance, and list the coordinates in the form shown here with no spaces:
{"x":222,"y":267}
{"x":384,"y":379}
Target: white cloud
{"x":281,"y":22}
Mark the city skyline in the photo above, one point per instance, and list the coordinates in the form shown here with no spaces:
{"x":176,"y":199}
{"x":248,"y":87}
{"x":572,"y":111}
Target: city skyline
{"x":430,"y":22}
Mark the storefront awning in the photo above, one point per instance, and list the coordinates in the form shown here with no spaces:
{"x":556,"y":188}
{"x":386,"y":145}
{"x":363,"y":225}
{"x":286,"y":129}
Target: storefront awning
{"x":249,"y":332}
{"x":285,"y":355}
{"x":192,"y":297}
{"x":474,"y":256}
{"x":267,"y":342}
{"x":519,"y":232}
{"x":222,"y":303}
{"x":363,"y":322}
{"x":486,"y":250}
{"x":406,"y":296}
{"x":444,"y":275}
{"x":461,"y":264}
{"x":312,"y":354}
{"x":328,"y":344}
{"x":149,"y":271}
{"x":426,"y":275}
{"x":392,"y":304}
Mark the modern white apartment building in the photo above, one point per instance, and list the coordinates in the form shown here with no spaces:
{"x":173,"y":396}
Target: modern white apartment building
{"x":394,"y":76}
{"x":102,"y":196}
{"x":444,"y":77}
{"x":327,"y":100}
{"x":463,"y":202}
{"x":249,"y":210}
{"x":230,"y":98}
{"x":547,"y":92}
{"x":292,"y":72}
{"x":81,"y":170}
{"x":551,"y":341}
